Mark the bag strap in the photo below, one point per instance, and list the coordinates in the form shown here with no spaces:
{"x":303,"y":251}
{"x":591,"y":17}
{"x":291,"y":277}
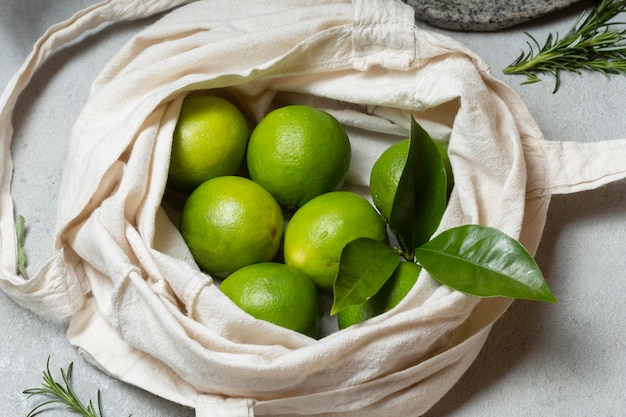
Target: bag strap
{"x":53,"y":39}
{"x":581,"y":166}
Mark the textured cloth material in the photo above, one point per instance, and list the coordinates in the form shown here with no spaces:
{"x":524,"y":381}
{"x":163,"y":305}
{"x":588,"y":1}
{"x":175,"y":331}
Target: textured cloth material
{"x":142,"y":310}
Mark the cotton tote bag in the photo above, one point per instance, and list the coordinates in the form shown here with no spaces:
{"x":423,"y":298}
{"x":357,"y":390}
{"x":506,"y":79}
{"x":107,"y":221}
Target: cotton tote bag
{"x":142,"y":310}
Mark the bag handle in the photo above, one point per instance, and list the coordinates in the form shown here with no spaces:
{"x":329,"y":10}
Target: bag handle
{"x":581,"y":166}
{"x":54,"y":38}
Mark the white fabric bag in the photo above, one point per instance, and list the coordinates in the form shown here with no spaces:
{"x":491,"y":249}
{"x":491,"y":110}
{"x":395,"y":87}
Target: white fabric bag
{"x":141,"y":309}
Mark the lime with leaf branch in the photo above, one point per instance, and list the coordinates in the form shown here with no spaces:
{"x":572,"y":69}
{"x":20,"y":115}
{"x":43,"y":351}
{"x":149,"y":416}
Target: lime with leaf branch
{"x":594,"y":43}
{"x":474,"y":259}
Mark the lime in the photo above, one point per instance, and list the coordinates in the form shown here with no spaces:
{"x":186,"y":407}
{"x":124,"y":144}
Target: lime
{"x":298,"y":152}
{"x":276,"y":293}
{"x":209,"y":140}
{"x":230,"y":222}
{"x":389,"y":296}
{"x":387,"y":170}
{"x":318,"y":231}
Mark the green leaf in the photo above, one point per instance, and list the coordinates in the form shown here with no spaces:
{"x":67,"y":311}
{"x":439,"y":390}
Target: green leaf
{"x":21,"y":255}
{"x":420,"y":200}
{"x":364,"y":267}
{"x":485,"y":262}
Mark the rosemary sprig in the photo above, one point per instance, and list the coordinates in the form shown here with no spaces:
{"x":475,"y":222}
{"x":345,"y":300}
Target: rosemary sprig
{"x":593,"y":43}
{"x":20,"y":231}
{"x":62,"y":394}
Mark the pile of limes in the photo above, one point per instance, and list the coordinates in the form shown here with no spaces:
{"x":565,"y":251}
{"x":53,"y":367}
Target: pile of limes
{"x":266,"y":213}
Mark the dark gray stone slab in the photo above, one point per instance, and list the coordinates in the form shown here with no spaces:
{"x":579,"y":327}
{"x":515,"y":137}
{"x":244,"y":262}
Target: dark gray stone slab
{"x":483,"y":15}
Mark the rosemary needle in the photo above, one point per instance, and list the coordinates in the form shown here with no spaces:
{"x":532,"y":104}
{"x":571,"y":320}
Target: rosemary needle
{"x":62,"y":393}
{"x":592,"y":44}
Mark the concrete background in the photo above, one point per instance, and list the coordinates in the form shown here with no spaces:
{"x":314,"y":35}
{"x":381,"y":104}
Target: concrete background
{"x":540,"y":360}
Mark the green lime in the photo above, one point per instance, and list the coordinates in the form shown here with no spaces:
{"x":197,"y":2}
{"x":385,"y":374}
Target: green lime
{"x":230,"y":222}
{"x":389,"y":296}
{"x":387,"y":170}
{"x":276,"y":293}
{"x":298,"y":152}
{"x":209,"y":140}
{"x":318,"y":231}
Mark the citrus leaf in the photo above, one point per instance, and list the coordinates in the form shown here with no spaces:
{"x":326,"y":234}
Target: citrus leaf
{"x":420,"y":200}
{"x":485,"y":262}
{"x":365,"y":265}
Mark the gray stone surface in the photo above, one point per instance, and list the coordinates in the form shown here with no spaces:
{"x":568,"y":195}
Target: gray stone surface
{"x":559,"y":360}
{"x":482,"y":15}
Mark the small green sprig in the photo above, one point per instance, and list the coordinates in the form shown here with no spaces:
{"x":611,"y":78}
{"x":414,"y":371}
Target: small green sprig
{"x":20,"y":230}
{"x":592,"y":44}
{"x":62,"y":393}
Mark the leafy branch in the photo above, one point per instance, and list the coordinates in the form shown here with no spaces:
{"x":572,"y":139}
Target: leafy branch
{"x":62,"y":393}
{"x":592,"y":44}
{"x":473,"y":259}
